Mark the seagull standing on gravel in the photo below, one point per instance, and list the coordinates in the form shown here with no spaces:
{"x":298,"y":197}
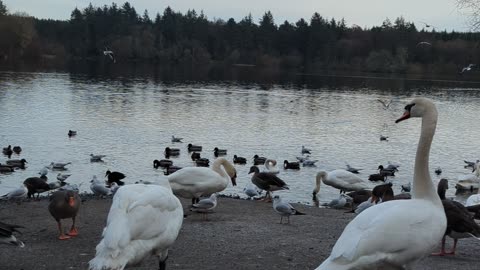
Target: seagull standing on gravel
{"x":251,"y":191}
{"x":98,"y":188}
{"x":204,"y":206}
{"x":284,"y":209}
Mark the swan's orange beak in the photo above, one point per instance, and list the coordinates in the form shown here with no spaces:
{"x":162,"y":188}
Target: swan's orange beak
{"x":71,"y":201}
{"x":405,"y":116}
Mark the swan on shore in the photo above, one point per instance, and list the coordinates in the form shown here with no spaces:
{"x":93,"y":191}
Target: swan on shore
{"x":339,"y":179}
{"x":407,"y":235}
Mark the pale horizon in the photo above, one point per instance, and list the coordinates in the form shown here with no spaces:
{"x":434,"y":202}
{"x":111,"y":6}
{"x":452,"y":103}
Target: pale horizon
{"x":366,"y":14}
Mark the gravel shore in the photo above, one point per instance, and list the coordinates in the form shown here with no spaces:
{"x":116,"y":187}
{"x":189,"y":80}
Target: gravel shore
{"x":241,"y":234}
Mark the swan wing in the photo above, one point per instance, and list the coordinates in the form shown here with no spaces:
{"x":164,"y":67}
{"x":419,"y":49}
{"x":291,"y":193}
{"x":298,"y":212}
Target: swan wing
{"x":345,"y":176}
{"x":473,"y":200}
{"x":390,"y":231}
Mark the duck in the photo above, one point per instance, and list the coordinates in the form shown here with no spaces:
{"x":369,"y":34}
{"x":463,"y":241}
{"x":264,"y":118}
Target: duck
{"x":17,"y":149}
{"x":7,"y":151}
{"x":460,"y":223}
{"x":403,"y":242}
{"x":377,"y":177}
{"x":171,"y":169}
{"x":257,"y":160}
{"x":239,"y":160}
{"x":143,"y":220}
{"x":194,"y":148}
{"x":339,"y":179}
{"x":115,"y":177}
{"x":195,"y":182}
{"x":284,"y":209}
{"x":176,"y":139}
{"x":383,"y":138}
{"x":6,"y":234}
{"x":267,"y":181}
{"x":65,"y":204}
{"x":71,"y":133}
{"x":359,"y":197}
{"x":291,"y":165}
{"x":6,"y":169}
{"x":271,"y":166}
{"x":386,"y":171}
{"x":219,"y":152}
{"x":202,"y":162}
{"x":171,"y":152}
{"x":36,"y":185}
{"x":60,"y":166}
{"x":17,"y":163}
{"x":163,"y":163}
{"x":195,"y":156}
{"x":406,"y":187}
{"x":98,"y":188}
{"x":96,"y":158}
{"x":205,"y":205}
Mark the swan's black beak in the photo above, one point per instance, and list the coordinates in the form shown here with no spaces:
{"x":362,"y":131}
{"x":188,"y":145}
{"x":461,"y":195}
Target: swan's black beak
{"x":405,"y":116}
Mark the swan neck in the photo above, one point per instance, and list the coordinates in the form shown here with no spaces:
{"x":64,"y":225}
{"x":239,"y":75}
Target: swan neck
{"x":423,"y":187}
{"x":318,"y":180}
{"x":217,"y":167}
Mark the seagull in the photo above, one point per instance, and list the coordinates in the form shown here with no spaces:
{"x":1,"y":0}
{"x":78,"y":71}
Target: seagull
{"x":428,"y":25}
{"x":284,"y":209}
{"x":98,"y":188}
{"x":62,"y":177}
{"x":96,"y":158}
{"x":16,"y":194}
{"x":43,"y":172}
{"x":251,"y":191}
{"x":353,"y":170}
{"x":176,"y":139}
{"x":406,"y":187}
{"x":6,"y":234}
{"x":467,"y":68}
{"x":58,"y":166}
{"x":204,"y":206}
{"x":424,"y":43}
{"x":385,"y":103}
{"x":309,"y":163}
{"x":306,"y":150}
{"x":340,"y":202}
{"x":109,"y":52}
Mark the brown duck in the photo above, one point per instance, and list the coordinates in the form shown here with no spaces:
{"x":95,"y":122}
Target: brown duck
{"x":65,"y":204}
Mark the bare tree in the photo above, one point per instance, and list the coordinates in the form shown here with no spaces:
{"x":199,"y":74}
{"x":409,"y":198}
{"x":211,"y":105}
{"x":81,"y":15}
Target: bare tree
{"x":472,"y":9}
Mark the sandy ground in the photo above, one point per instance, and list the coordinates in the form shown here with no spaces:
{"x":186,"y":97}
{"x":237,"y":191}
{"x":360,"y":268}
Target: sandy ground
{"x":239,"y":235}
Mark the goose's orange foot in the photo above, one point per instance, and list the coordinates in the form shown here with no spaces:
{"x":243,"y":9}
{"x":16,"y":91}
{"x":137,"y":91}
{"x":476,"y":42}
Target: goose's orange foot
{"x":64,"y":237}
{"x":442,"y":253}
{"x":73,"y":232}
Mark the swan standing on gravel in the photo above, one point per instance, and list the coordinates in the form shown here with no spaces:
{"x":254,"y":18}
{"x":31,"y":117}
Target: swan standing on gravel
{"x":410,"y":229}
{"x":340,"y":179}
{"x":195,"y":182}
{"x":143,"y":220}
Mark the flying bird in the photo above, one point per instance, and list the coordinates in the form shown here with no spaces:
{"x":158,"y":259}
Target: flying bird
{"x":109,"y":53}
{"x":467,"y":68}
{"x":385,"y":103}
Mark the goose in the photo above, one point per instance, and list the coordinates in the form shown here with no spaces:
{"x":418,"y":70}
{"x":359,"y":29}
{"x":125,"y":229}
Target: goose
{"x":379,"y":190}
{"x":59,"y":166}
{"x":96,"y":158}
{"x":114,"y":177}
{"x":194,"y":182}
{"x":271,"y":166}
{"x":239,"y":160}
{"x":17,"y":149}
{"x":7,"y":151}
{"x":460,"y":223}
{"x":163,"y":163}
{"x":353,"y":170}
{"x":407,"y":235}
{"x":98,"y":188}
{"x":171,"y":152}
{"x":36,"y":185}
{"x":257,"y":160}
{"x":266,"y":181}
{"x":339,"y":179}
{"x":71,"y":133}
{"x":202,"y":162}
{"x":65,"y":204}
{"x":205,"y":206}
{"x":176,"y":139}
{"x":16,"y":194}
{"x":17,"y":163}
{"x":306,"y":150}
{"x":284,"y":209}
{"x":195,"y":156}
{"x":291,"y":165}
{"x":194,"y":148}
{"x":359,"y":197}
{"x":219,"y":152}
{"x":6,"y":234}
{"x":143,"y":220}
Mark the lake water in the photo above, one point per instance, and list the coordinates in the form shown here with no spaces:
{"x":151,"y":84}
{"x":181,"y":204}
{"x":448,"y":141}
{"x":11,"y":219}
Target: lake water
{"x":132,"y":119}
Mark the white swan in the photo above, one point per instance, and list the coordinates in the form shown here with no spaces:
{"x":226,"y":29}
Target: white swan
{"x":143,"y":220}
{"x":340,"y":179}
{"x":475,"y":198}
{"x":194,"y":182}
{"x":271,"y":166}
{"x":410,"y":229}
{"x":468,"y":181}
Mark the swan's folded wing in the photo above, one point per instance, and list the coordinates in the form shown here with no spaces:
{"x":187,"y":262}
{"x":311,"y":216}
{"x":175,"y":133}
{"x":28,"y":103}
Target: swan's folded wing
{"x":347,"y":177}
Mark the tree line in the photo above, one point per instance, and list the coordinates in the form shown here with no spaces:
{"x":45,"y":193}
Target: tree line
{"x":317,"y":45}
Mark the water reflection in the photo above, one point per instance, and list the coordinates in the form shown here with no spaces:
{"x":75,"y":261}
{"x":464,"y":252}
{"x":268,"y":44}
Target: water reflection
{"x":131,"y":119}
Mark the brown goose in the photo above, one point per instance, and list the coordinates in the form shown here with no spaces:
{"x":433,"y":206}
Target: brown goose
{"x":266,"y":181}
{"x":36,"y":185}
{"x":65,"y":204}
{"x":460,"y":223}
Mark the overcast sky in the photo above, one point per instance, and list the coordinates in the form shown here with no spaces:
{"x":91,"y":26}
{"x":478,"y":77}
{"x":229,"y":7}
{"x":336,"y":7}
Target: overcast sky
{"x":443,"y":14}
